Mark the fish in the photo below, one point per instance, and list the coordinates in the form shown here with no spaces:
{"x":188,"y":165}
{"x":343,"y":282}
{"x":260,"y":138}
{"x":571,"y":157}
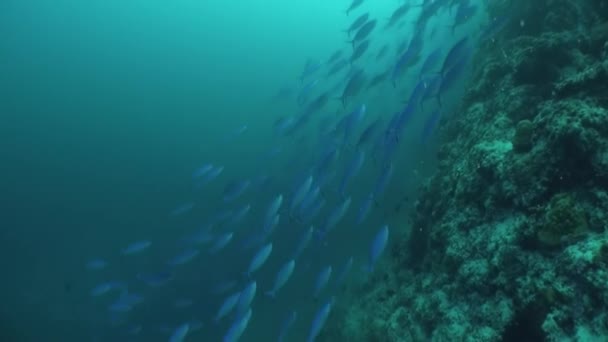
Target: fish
{"x":365,"y":208}
{"x":377,"y":80}
{"x":301,"y":193}
{"x":303,"y":242}
{"x":106,"y":287}
{"x":310,"y":68}
{"x":383,"y":181}
{"x":240,"y":130}
{"x":202,"y":170}
{"x":353,"y":119}
{"x":308,"y":200}
{"x":155,"y":279}
{"x":210,"y":176}
{"x":182,"y":209}
{"x":398,"y":14}
{"x":335,"y":216}
{"x":259,"y":259}
{"x":227,"y":306}
{"x":357,"y":23}
{"x":180,"y":333}
{"x":239,"y":215}
{"x":354,"y":5}
{"x":457,"y":51}
{"x":183,"y":257}
{"x":359,"y":51}
{"x":271,"y":225}
{"x":464,"y":13}
{"x":377,"y":247}
{"x":352,"y":170}
{"x":238,"y":327}
{"x":353,"y":86}
{"x":363,"y":32}
{"x":337,"y":67}
{"x":306,"y":90}
{"x":451,"y":76}
{"x":136,"y":247}
{"x":273,"y":207}
{"x":282,"y":277}
{"x":320,"y":319}
{"x":322,"y":280}
{"x":96,"y":264}
{"x":334,"y":57}
{"x":368,"y":133}
{"x":344,"y":271}
{"x":429,"y":126}
{"x":430,"y":62}
{"x":408,"y":58}
{"x":246,"y":297}
{"x":235,"y":189}
{"x":289,"y":321}
{"x":382,"y":52}
{"x":221,"y":242}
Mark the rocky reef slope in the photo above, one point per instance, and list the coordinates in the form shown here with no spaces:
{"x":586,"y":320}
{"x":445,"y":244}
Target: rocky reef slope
{"x":509,"y":239}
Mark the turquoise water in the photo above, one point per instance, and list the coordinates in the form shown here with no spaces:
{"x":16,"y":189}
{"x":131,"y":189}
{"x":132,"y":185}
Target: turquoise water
{"x":108,"y":107}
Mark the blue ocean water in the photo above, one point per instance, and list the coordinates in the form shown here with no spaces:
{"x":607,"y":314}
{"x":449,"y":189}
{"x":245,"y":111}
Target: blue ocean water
{"x":109,"y":107}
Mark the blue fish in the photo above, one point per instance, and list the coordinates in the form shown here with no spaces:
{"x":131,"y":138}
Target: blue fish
{"x":238,"y":327}
{"x":430,"y":63}
{"x":282,"y":277}
{"x":136,"y":247}
{"x":383,"y":181}
{"x":343,"y":274}
{"x":452,"y":75}
{"x":310,"y":68}
{"x":183,"y":257}
{"x":322,"y":280}
{"x":377,"y":247}
{"x":353,"y":119}
{"x":352,"y":170}
{"x":301,"y":193}
{"x":429,"y":126}
{"x":320,"y":319}
{"x":246,"y":297}
{"x":227,"y":306}
{"x":180,"y":333}
{"x":240,"y":214}
{"x":155,"y":279}
{"x":365,"y":208}
{"x":221,"y":242}
{"x":210,"y":176}
{"x":202,"y":170}
{"x":336,"y":215}
{"x":289,"y":321}
{"x":303,"y":242}
{"x":96,"y":264}
{"x":235,"y":189}
{"x":259,"y":259}
{"x":106,"y":287}
{"x":457,"y":51}
{"x":182,"y":209}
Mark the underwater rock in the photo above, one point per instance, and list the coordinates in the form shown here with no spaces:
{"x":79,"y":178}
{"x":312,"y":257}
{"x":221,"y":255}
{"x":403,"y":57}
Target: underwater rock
{"x":563,"y":219}
{"x":522,"y":139}
{"x":509,"y":239}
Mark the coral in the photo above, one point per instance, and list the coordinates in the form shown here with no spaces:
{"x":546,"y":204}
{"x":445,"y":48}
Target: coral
{"x":563,"y":218}
{"x":509,"y":238}
{"x":522,"y":139}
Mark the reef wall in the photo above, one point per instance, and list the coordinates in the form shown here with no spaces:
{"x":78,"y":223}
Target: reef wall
{"x":509,"y":238}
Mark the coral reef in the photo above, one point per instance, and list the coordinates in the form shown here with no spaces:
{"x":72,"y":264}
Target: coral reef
{"x":509,"y":239}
